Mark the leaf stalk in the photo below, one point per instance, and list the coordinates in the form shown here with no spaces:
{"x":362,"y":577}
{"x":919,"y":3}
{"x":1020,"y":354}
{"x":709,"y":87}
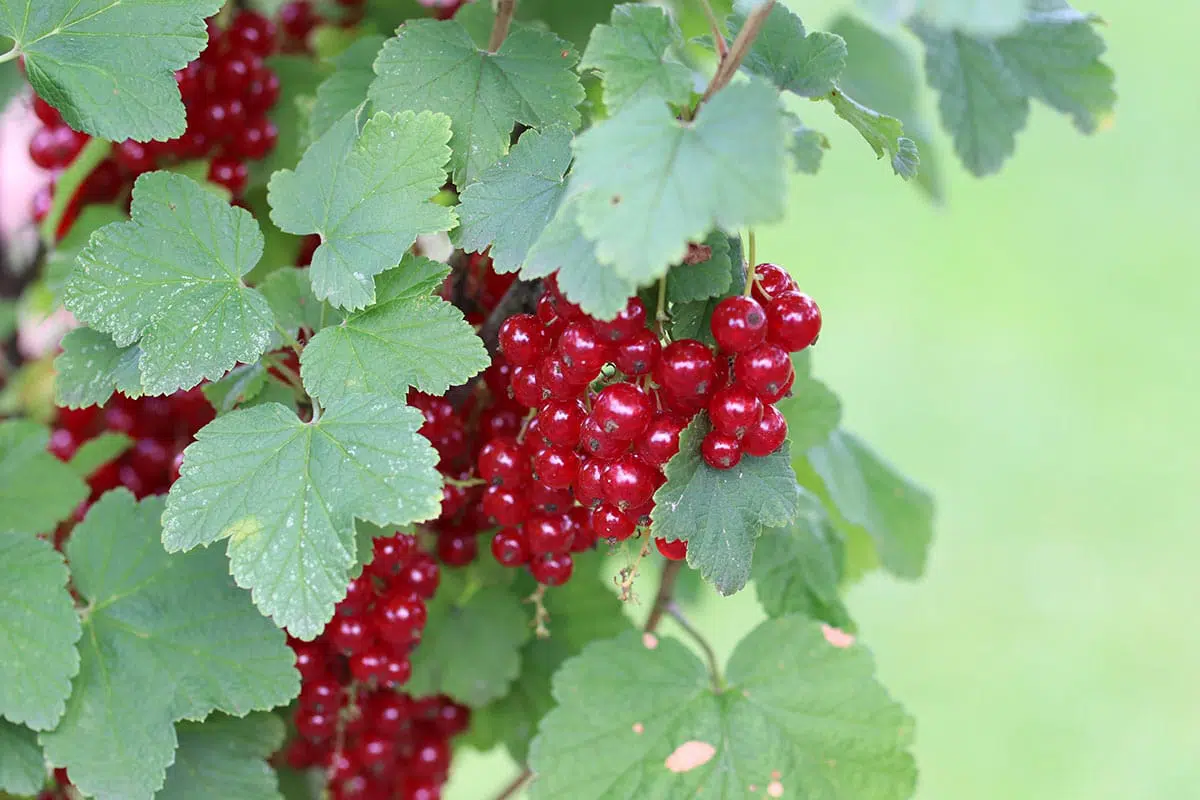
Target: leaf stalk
{"x":738,"y":52}
{"x":504,"y":15}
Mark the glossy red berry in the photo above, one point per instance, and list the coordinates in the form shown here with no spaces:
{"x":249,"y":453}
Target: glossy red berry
{"x":324,"y":693}
{"x":263,"y":93}
{"x":623,"y":410}
{"x":609,"y":522}
{"x":396,"y":671}
{"x":230,"y":173}
{"x":556,"y":466}
{"x":349,"y":634}
{"x":768,"y":435}
{"x":765,"y":370}
{"x":235,"y":71}
{"x":400,"y":617}
{"x":523,"y":339}
{"x":596,"y":443}
{"x":660,"y":441}
{"x":734,"y":410}
{"x":457,"y":548}
{"x":738,"y":324}
{"x":508,"y":547}
{"x":253,"y":31}
{"x":552,"y":570}
{"x":421,"y":575}
{"x":582,"y":349}
{"x":547,"y":533}
{"x":673,"y":551}
{"x":771,"y":280}
{"x":630,"y":321}
{"x":589,"y":490}
{"x":638,"y":354}
{"x":687,"y":369}
{"x":560,"y":421}
{"x":721,"y":451}
{"x":387,"y":712}
{"x":56,"y":147}
{"x":315,"y":725}
{"x":220,"y":119}
{"x":312,"y":661}
{"x":390,"y":554}
{"x":526,"y":387}
{"x":47,"y":113}
{"x":502,"y":462}
{"x":794,"y":320}
{"x":629,"y":482}
{"x":557,"y":380}
{"x":63,"y":444}
{"x":256,"y":139}
{"x":296,"y":19}
{"x":505,"y":506}
{"x":134,"y":157}
{"x":551,"y":501}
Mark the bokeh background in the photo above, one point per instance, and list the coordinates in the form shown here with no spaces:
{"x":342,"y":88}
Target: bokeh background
{"x":1030,"y":352}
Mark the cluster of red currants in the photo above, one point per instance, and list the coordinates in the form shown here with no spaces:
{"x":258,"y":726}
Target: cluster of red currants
{"x":371,"y":739}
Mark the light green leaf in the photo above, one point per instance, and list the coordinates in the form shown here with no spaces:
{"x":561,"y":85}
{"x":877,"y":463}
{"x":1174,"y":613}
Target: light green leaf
{"x":299,"y":78}
{"x":60,"y":262}
{"x":242,"y":385}
{"x":885,"y":134}
{"x":688,"y":283}
{"x":515,"y":198}
{"x":807,"y":64}
{"x":22,"y":768}
{"x":635,"y":55}
{"x":285,"y":495}
{"x":573,"y":21}
{"x":436,"y":66}
{"x":38,"y":631}
{"x":289,"y":292}
{"x":986,"y":84}
{"x":98,"y":451}
{"x":68,"y":183}
{"x":91,"y":367}
{"x":407,"y":339}
{"x":812,"y":412}
{"x":470,"y":647}
{"x":726,"y":169}
{"x":798,"y":569}
{"x":800,"y":717}
{"x":992,"y":18}
{"x":562,"y":248}
{"x":225,"y":757}
{"x":871,"y":497}
{"x":11,"y":84}
{"x":108,"y":66}
{"x":720,"y":513}
{"x":807,"y":148}
{"x":166,"y":638}
{"x":346,"y":89}
{"x":170,"y":279}
{"x":37,"y":491}
{"x":368,"y":196}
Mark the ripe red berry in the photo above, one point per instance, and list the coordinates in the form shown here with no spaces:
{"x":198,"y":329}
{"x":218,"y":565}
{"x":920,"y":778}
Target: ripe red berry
{"x":589,"y":491}
{"x":686,"y":369}
{"x":502,"y":462}
{"x":263,"y":92}
{"x":134,"y":157}
{"x":629,"y":482}
{"x":638,"y":354}
{"x":220,"y":119}
{"x":523,"y":339}
{"x":623,"y":410}
{"x":505,"y":506}
{"x":253,"y":31}
{"x":230,"y":173}
{"x":315,"y":725}
{"x":771,"y":281}
{"x":55,"y":147}
{"x":551,"y":501}
{"x":296,"y":19}
{"x":547,"y":533}
{"x":765,"y":370}
{"x":359,"y":595}
{"x":349,"y":634}
{"x":609,"y":522}
{"x":734,"y":410}
{"x":387,"y":713}
{"x":795,"y":321}
{"x":312,"y":661}
{"x":508,"y":547}
{"x":660,"y":441}
{"x":627,"y":323}
{"x":400,"y":617}
{"x":556,"y":466}
{"x":322,"y":694}
{"x":673,"y":551}
{"x":63,"y":444}
{"x":768,"y":435}
{"x":47,"y":113}
{"x":721,"y":451}
{"x":421,"y":575}
{"x":582,"y":349}
{"x":452,"y":718}
{"x":738,"y":324}
{"x":457,"y":548}
{"x":396,"y":671}
{"x":560,"y":422}
{"x":234,"y":72}
{"x":557,"y":380}
{"x":256,"y":139}
{"x":552,"y":570}
{"x":596,"y":443}
{"x":526,"y":387}
{"x":390,"y":554}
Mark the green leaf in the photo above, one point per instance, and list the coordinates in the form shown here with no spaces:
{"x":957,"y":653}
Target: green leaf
{"x":170,"y":279}
{"x":11,"y":84}
{"x":289,"y":292}
{"x":880,"y":72}
{"x":368,"y":196}
{"x":8,"y":318}
{"x":68,"y":183}
{"x":285,"y":494}
{"x":872,"y":498}
{"x":60,"y":262}
{"x":37,"y":491}
{"x":688,"y":283}
{"x":726,"y":169}
{"x":346,"y":89}
{"x":581,"y":611}
{"x":166,"y":638}
{"x":800,"y":717}
{"x":885,"y":134}
{"x":96,"y":452}
{"x":108,"y":67}
{"x":720,"y":513}
{"x":562,"y":248}
{"x":299,"y":79}
{"x":242,"y":385}
{"x":807,"y":64}
{"x":38,"y":629}
{"x":807,"y":147}
{"x":22,"y":768}
{"x":515,"y":198}
{"x":470,"y":647}
{"x":407,"y":339}
{"x":812,"y":412}
{"x":573,"y":21}
{"x":91,"y":367}
{"x":798,"y":569}
{"x":693,"y":320}
{"x":225,"y":757}
{"x":992,"y":18}
{"x":986,"y":84}
{"x":635,"y":54}
{"x":435,"y":65}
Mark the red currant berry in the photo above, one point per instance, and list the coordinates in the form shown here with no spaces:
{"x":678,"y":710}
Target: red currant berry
{"x":62,"y":444}
{"x":220,"y":119}
{"x":508,"y":547}
{"x":771,"y":281}
{"x":315,"y":726}
{"x":134,"y":157}
{"x":660,"y":441}
{"x":687,"y":369}
{"x":589,"y":489}
{"x":502,"y":462}
{"x":47,"y":113}
{"x":387,"y":713}
{"x":556,"y":467}
{"x":557,"y":380}
{"x":235,"y":71}
{"x":545,"y":533}
{"x":396,"y":671}
{"x":595,"y":443}
{"x":552,"y":570}
{"x":505,"y":506}
{"x":390,"y":554}
{"x":262,"y":93}
{"x":734,"y":410}
{"x":721,"y":451}
{"x":400,"y":617}
{"x":296,"y":19}
{"x":323,"y":694}
{"x":349,"y":634}
{"x":630,"y":482}
{"x":312,"y":662}
{"x":526,"y":387}
{"x":638,"y":354}
{"x":630,"y":321}
{"x":623,"y":410}
{"x":79,"y":421}
{"x":609,"y":522}
{"x":252,"y":31}
{"x":551,"y":501}
{"x":523,"y":340}
{"x":673,"y":551}
{"x":560,"y":422}
{"x":53,"y":148}
{"x":768,"y":435}
{"x":795,"y":321}
{"x":230,"y":173}
{"x":581,"y":349}
{"x":457,"y":548}
{"x":452,"y":718}
{"x":375,"y":750}
{"x":765,"y":370}
{"x":430,"y":757}
{"x":738,"y":324}
{"x":421,"y":575}
{"x":256,"y":139}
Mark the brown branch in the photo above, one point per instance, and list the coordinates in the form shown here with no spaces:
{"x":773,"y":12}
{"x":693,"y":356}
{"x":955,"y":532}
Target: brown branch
{"x":738,"y":52}
{"x":521,"y":298}
{"x":518,"y":783}
{"x":665,"y":597}
{"x":504,"y":15}
{"x":718,"y":39}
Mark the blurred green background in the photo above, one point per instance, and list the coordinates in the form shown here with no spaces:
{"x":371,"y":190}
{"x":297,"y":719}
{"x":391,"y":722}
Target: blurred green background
{"x":1029,"y":353}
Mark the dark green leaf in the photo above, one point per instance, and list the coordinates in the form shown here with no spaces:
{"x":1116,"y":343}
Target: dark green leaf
{"x":687,"y":283}
{"x":289,"y":293}
{"x":37,"y":491}
{"x":635,"y":53}
{"x":91,"y":367}
{"x":807,"y":64}
{"x":225,"y":757}
{"x":346,"y":89}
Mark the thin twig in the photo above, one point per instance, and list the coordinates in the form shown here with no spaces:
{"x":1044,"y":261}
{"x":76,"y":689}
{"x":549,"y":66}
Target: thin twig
{"x":665,"y":596}
{"x":521,"y":298}
{"x":718,"y":39}
{"x":714,"y":666}
{"x":516,"y":785}
{"x":738,"y":52}
{"x":504,"y":15}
